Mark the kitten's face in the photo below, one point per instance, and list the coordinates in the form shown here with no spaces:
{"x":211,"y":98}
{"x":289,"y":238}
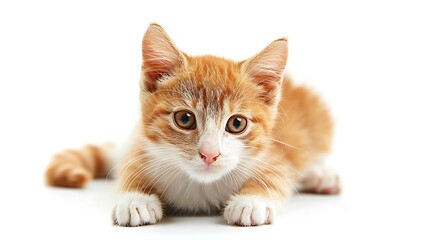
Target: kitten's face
{"x":208,"y":108}
{"x":205,"y":116}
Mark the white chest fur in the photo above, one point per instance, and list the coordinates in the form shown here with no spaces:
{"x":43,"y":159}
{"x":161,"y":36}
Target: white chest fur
{"x":186,"y":196}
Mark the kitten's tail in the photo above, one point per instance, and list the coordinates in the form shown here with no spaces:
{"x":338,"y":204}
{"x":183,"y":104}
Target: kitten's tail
{"x":74,"y":168}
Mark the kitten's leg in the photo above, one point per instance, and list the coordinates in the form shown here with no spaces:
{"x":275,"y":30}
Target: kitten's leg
{"x":256,"y":202}
{"x":138,"y":202}
{"x":320,"y":179}
{"x":75,"y":168}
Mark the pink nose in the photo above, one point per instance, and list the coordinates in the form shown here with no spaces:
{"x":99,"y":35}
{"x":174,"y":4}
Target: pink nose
{"x":209,"y":157}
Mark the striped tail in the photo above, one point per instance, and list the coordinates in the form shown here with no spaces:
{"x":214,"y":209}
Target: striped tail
{"x":75,"y":168}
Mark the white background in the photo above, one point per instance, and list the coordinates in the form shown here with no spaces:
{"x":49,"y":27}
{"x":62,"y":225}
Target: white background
{"x":69,"y":75}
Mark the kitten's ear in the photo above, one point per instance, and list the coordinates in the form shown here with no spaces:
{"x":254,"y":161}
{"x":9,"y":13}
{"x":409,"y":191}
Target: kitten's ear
{"x":160,"y":57}
{"x":266,"y":68}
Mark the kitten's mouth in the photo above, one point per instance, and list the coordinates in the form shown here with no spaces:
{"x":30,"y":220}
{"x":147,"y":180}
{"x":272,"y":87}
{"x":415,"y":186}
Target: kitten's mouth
{"x":207,"y":168}
{"x":206,"y":172}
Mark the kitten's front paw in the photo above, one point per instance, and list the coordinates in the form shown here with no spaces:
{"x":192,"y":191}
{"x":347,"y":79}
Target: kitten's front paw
{"x":137,"y":209}
{"x":249,"y":210}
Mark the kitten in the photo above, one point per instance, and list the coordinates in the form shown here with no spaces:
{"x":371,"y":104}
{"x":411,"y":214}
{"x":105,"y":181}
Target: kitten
{"x":215,"y":136}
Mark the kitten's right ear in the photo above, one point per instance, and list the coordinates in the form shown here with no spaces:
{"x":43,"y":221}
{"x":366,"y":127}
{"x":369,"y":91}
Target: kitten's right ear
{"x":160,"y":57}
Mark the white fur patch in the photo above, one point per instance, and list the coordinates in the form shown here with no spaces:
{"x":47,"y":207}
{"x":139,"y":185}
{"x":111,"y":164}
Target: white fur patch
{"x":249,"y":210}
{"x":137,"y":209}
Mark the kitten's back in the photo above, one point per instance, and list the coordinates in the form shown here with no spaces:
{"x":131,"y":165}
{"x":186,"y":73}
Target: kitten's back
{"x":304,"y":126}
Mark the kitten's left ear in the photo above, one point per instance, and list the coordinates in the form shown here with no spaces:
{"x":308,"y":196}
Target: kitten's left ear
{"x":160,"y":57}
{"x":267,"y":67}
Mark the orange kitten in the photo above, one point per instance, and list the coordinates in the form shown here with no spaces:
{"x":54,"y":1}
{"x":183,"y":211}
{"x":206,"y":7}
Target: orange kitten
{"x":215,"y":136}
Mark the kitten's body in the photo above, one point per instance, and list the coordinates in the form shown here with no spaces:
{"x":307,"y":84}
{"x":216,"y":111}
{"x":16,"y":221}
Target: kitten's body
{"x":170,"y":168}
{"x":301,"y":137}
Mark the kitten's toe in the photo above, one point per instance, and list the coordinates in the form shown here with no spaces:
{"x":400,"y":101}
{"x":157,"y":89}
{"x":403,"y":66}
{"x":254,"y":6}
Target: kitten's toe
{"x":249,"y":210}
{"x":321,"y":180}
{"x":137,"y":209}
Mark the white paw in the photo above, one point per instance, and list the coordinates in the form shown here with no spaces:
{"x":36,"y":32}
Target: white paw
{"x":322,"y":180}
{"x":249,"y":210}
{"x":137,"y":209}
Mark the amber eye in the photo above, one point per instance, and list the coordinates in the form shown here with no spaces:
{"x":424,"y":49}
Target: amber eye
{"x":185,"y":119}
{"x":236,"y":124}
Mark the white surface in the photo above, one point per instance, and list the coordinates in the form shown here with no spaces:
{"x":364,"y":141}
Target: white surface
{"x":69,"y":75}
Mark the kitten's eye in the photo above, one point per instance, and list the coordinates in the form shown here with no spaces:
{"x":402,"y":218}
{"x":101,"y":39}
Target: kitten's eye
{"x":236,"y":124}
{"x":185,"y":119}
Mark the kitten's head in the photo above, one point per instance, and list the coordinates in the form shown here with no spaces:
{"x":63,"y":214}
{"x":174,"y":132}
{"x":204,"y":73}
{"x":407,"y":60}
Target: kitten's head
{"x":206,"y":115}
